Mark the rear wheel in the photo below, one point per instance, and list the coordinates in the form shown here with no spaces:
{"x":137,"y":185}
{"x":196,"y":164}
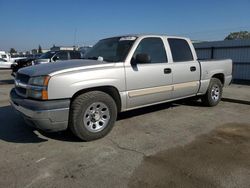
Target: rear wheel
{"x":92,"y":115}
{"x":213,"y":94}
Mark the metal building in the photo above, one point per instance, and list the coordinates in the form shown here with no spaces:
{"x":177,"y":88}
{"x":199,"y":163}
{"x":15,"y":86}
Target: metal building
{"x":237,"y":50}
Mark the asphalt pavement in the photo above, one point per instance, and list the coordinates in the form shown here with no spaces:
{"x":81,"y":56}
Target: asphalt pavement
{"x":179,"y":144}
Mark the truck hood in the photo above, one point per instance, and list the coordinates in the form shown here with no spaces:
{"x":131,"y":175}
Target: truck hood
{"x":62,"y":66}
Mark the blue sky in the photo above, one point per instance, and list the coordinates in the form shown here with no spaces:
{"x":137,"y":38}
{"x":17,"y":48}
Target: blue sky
{"x":25,"y":23}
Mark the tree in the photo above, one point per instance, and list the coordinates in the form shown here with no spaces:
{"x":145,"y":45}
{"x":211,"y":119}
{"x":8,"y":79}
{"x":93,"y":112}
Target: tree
{"x":238,"y":35}
{"x":39,"y":49}
{"x":34,"y":51}
{"x":13,"y":51}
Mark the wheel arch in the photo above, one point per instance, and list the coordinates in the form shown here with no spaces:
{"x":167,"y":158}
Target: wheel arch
{"x":110,"y":90}
{"x":219,"y":76}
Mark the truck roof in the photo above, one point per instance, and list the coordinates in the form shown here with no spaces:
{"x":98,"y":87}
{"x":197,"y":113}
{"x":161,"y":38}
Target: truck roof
{"x":150,"y":35}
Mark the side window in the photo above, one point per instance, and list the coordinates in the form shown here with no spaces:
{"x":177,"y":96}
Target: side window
{"x":3,"y":60}
{"x":62,"y":55}
{"x":154,"y":47}
{"x":180,"y":50}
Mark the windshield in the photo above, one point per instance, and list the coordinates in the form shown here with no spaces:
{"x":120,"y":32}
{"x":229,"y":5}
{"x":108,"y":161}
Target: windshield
{"x":47,"y":55}
{"x":111,"y":49}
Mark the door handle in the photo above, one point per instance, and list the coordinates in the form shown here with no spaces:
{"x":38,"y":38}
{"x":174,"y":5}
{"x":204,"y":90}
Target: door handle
{"x":192,"y":69}
{"x":167,"y":71}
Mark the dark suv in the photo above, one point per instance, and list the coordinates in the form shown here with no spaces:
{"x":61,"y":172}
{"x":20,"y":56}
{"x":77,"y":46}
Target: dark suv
{"x":62,"y":55}
{"x":50,"y":56}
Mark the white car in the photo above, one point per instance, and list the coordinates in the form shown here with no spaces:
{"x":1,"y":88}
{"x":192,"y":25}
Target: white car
{"x":5,"y":64}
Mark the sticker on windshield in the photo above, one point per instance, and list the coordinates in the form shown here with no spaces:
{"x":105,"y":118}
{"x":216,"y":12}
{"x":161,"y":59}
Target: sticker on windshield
{"x":127,"y":38}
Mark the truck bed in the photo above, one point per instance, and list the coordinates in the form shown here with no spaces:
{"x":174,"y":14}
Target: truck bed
{"x":211,"y":67}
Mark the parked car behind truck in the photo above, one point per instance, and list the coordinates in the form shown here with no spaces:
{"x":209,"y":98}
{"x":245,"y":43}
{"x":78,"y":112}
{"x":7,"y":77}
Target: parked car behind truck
{"x":50,"y":56}
{"x":5,"y":64}
{"x":6,"y":56}
{"x":61,"y":55}
{"x":20,"y":63}
{"x":118,"y":74}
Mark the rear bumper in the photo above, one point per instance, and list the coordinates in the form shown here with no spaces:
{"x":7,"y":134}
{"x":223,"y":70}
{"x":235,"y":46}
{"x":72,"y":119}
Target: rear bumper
{"x":228,"y":80}
{"x":45,"y":115}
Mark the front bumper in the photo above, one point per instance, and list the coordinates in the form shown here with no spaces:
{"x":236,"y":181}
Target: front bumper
{"x":49,"y":115}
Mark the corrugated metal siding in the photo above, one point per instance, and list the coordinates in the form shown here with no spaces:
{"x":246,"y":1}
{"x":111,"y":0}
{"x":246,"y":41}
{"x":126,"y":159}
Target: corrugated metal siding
{"x":238,"y":51}
{"x":239,"y":55}
{"x":241,"y":71}
{"x":204,"y":53}
{"x":223,"y":43}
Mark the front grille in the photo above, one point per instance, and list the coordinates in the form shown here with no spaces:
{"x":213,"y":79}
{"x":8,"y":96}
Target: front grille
{"x":22,"y":78}
{"x":21,"y":91}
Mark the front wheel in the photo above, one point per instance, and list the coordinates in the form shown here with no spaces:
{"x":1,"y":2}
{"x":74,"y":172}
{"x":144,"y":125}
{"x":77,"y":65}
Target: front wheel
{"x":213,"y":94}
{"x":92,"y":115}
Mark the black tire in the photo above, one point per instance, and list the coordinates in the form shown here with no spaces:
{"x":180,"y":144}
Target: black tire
{"x":82,"y":105}
{"x":210,"y":98}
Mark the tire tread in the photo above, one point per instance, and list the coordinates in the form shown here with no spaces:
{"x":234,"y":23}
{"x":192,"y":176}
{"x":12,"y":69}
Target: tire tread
{"x":206,"y":99}
{"x":76,"y":108}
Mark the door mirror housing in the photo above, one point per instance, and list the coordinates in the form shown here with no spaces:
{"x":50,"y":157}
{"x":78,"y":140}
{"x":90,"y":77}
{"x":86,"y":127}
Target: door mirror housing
{"x":142,"y":59}
{"x":55,"y":58}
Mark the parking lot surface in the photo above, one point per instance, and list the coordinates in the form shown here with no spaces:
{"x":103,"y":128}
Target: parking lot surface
{"x":179,"y":144}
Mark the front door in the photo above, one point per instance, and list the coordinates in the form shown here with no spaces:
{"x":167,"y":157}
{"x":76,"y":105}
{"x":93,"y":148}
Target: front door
{"x":150,"y":82}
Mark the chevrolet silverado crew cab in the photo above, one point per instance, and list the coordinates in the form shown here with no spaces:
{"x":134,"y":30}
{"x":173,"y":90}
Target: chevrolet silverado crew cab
{"x":117,"y":74}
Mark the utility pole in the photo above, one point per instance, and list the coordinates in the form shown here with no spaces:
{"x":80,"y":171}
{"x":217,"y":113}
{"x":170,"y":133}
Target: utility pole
{"x":75,"y":37}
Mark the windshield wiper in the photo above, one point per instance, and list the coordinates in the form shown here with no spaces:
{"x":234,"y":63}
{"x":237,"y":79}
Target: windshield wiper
{"x":96,"y":58}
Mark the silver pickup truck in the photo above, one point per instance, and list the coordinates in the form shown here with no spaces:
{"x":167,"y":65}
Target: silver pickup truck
{"x":117,"y":74}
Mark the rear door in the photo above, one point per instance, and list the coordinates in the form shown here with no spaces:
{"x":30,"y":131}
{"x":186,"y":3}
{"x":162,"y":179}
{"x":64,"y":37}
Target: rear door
{"x":63,"y":55}
{"x":75,"y":55}
{"x":185,"y":67}
{"x":149,"y":82}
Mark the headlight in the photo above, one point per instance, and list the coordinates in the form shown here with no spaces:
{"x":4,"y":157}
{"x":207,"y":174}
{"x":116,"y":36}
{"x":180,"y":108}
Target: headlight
{"x":38,"y":87}
{"x":39,"y":80}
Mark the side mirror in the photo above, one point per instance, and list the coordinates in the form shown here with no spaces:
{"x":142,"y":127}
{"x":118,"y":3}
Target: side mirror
{"x":142,"y":58}
{"x":55,"y":58}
